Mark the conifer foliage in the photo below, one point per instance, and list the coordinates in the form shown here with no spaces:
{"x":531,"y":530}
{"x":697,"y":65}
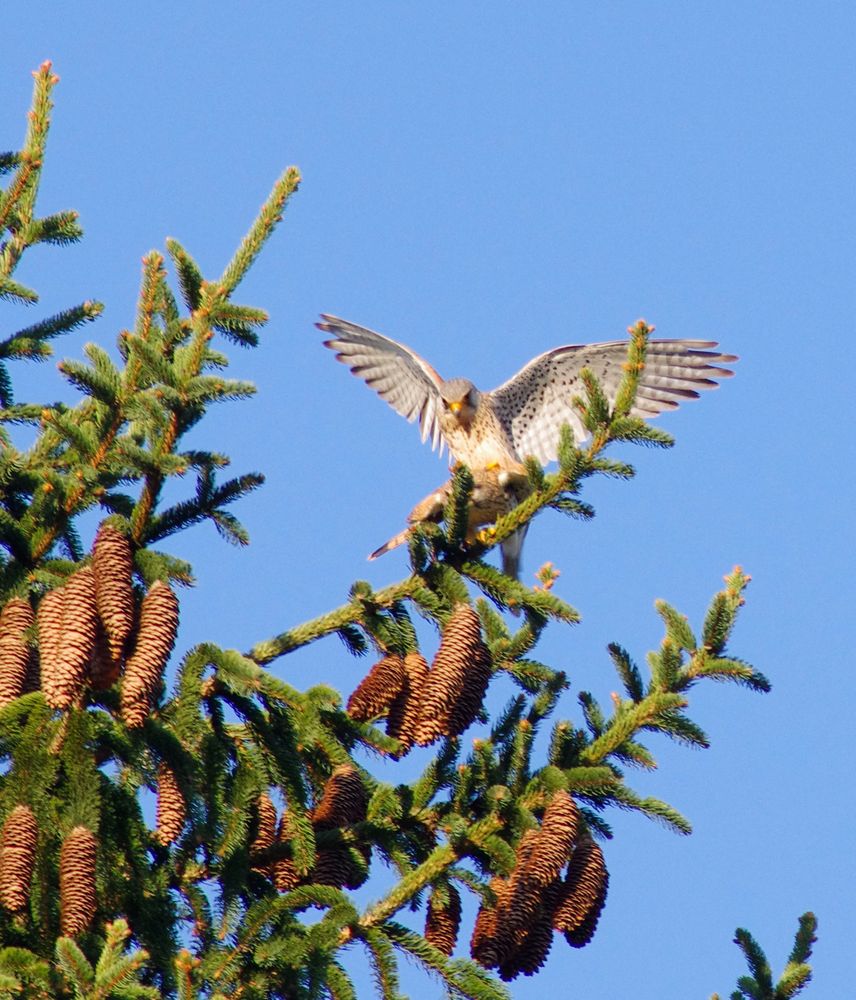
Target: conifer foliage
{"x":266,"y":804}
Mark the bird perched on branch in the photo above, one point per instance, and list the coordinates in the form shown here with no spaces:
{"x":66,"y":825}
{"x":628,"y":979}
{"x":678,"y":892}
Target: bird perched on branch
{"x":496,"y":430}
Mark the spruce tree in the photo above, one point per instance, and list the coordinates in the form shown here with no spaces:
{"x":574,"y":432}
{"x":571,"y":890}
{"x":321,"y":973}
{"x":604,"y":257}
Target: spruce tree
{"x":268,"y":815}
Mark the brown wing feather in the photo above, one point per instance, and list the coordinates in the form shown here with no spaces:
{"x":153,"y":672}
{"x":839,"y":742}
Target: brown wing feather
{"x":538,"y":400}
{"x":407,"y":382}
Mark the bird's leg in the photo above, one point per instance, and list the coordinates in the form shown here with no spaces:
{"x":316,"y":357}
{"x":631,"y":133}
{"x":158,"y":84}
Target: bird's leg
{"x":486,"y":535}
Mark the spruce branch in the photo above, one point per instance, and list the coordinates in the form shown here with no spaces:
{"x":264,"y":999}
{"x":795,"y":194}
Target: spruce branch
{"x":797,"y":973}
{"x":261,"y":230}
{"x":346,"y":615}
{"x":19,"y":197}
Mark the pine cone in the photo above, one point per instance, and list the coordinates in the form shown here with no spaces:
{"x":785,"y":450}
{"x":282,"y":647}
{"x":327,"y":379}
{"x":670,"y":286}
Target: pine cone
{"x":476,"y":680}
{"x":461,"y":651}
{"x":171,"y":807}
{"x":377,"y":690}
{"x":67,"y":621}
{"x":556,"y":839}
{"x":285,"y":874}
{"x":404,"y":711}
{"x":15,"y":618}
{"x":77,"y":902}
{"x":113,"y":565}
{"x":79,"y":626}
{"x":18,"y":841}
{"x":335,"y":866}
{"x":49,"y":625}
{"x":443,"y":920}
{"x":483,"y":944}
{"x":534,"y":946}
{"x":104,"y":671}
{"x":344,"y":800}
{"x":266,"y":831}
{"x":583,"y":894}
{"x":520,"y":907}
{"x":155,"y":639}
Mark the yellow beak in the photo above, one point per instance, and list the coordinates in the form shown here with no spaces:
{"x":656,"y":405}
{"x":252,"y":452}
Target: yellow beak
{"x":456,"y":406}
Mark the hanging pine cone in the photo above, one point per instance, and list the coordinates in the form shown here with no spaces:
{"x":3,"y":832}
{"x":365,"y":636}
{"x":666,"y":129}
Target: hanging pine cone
{"x":404,"y":711}
{"x":266,"y":830}
{"x":338,"y":867}
{"x":483,"y":944}
{"x":113,"y":565}
{"x":443,"y":920}
{"x":520,"y":906}
{"x":533,"y":946}
{"x":344,"y":800}
{"x":556,"y":839}
{"x":79,"y":626}
{"x":377,"y":690}
{"x":67,"y":621}
{"x":583,"y":894}
{"x":155,"y":639}
{"x":18,"y":840}
{"x":476,"y":680}
{"x":104,"y":671}
{"x":171,"y":807}
{"x":285,"y":874}
{"x":49,"y":624}
{"x":77,"y":902}
{"x":15,"y":618}
{"x":461,"y":651}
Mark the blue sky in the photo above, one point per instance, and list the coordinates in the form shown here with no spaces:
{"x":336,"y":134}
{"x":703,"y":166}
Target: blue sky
{"x":486,"y":181}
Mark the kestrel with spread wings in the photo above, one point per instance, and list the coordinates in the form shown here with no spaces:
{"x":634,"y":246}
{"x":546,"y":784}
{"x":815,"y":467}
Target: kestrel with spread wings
{"x":524,"y":416}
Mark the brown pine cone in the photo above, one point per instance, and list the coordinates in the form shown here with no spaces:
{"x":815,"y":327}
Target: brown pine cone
{"x":520,"y":907}
{"x":18,"y":840}
{"x":404,"y":711}
{"x":266,"y":831}
{"x":67,"y":621}
{"x":461,"y":651}
{"x":344,"y":800}
{"x":443,"y":920}
{"x":483,"y":944}
{"x":155,"y":639}
{"x":534,"y":945}
{"x":583,"y":894}
{"x":77,"y":901}
{"x":476,"y":680}
{"x":285,"y":874}
{"x":377,"y":690}
{"x":113,"y":566}
{"x":104,"y":671}
{"x":335,"y":866}
{"x":15,"y":618}
{"x":49,"y":625}
{"x":79,"y":626}
{"x":171,"y":807}
{"x":556,"y":839}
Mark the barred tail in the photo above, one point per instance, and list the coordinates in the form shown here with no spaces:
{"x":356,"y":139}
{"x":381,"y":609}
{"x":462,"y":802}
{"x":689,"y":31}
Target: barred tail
{"x":393,"y":543}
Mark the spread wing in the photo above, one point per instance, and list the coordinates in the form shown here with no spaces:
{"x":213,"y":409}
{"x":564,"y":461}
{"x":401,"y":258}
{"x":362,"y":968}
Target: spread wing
{"x":538,"y":400}
{"x":407,"y":382}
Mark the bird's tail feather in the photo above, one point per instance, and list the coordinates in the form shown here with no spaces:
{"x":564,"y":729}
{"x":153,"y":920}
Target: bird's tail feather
{"x":393,"y":543}
{"x":512,"y":551}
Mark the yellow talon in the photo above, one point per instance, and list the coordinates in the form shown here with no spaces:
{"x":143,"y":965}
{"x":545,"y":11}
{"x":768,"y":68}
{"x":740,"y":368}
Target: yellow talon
{"x":486,"y":535}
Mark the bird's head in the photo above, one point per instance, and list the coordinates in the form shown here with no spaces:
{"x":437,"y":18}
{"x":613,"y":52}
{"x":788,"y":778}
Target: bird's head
{"x":460,"y":399}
